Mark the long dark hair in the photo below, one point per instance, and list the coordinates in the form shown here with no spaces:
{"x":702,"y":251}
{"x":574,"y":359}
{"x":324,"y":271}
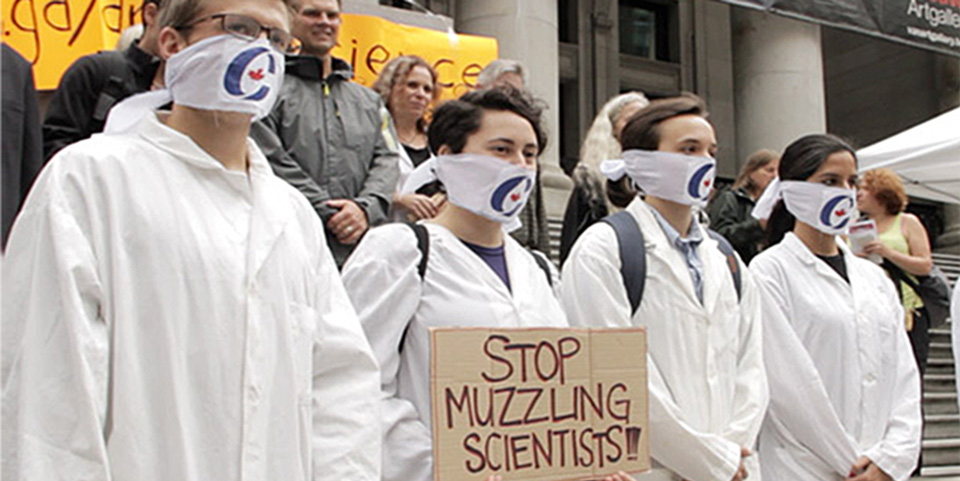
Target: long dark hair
{"x":799,"y":162}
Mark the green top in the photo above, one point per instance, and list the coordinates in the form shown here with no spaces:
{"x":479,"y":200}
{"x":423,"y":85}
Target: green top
{"x":894,"y":239}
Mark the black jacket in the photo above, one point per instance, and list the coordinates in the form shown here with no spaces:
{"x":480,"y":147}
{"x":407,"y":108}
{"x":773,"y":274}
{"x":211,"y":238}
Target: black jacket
{"x":87,"y":91}
{"x":22,"y":155}
{"x":729,"y":213}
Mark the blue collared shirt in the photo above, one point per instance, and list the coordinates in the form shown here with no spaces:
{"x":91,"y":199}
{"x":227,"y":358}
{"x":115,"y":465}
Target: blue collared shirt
{"x":688,"y":247}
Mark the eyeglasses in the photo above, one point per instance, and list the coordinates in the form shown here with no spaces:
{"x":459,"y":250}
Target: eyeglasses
{"x":242,"y":26}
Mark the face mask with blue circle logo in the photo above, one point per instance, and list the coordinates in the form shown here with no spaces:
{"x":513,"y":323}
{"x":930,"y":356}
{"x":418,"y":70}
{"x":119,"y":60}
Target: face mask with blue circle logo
{"x":222,"y":73}
{"x":486,"y":186}
{"x":680,"y":178}
{"x":828,"y":209}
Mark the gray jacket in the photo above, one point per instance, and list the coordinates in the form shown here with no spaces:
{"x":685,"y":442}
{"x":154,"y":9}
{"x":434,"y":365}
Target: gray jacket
{"x":331,"y":139}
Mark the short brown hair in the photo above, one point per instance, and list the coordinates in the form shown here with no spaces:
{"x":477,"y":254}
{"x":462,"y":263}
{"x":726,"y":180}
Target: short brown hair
{"x":643,"y":129}
{"x":456,"y":120}
{"x":887,"y":188}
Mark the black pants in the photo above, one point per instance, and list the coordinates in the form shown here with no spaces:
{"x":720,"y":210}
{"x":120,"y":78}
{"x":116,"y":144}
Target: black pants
{"x":920,"y":341}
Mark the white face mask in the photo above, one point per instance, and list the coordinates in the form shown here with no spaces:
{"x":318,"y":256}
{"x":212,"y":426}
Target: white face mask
{"x":827,"y":209}
{"x":684,"y":179}
{"x":222,"y":73}
{"x":486,"y":185}
{"x":227,"y":73}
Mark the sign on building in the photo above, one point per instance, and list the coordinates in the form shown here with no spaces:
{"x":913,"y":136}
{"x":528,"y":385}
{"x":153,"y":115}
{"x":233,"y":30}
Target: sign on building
{"x":538,"y":404}
{"x":929,"y":24}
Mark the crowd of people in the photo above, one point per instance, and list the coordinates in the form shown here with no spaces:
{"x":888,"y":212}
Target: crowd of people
{"x":229,"y":266}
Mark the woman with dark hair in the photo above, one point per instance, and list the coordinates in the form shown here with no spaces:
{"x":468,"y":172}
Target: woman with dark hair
{"x":844,"y":389}
{"x":408,"y":86}
{"x":905,"y":246}
{"x":729,"y":210}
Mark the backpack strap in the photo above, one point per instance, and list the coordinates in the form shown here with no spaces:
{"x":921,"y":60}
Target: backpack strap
{"x":727,"y":250}
{"x":633,"y":255}
{"x":423,"y":245}
{"x":543,"y":264}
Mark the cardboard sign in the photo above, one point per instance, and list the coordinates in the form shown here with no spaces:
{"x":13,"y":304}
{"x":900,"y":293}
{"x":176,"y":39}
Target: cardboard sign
{"x":368,"y":43}
{"x":538,"y":404}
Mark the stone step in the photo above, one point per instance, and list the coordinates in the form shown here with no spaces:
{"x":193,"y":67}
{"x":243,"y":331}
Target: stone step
{"x":941,"y":426}
{"x":940,"y":471}
{"x":940,"y":402}
{"x":941,"y":452}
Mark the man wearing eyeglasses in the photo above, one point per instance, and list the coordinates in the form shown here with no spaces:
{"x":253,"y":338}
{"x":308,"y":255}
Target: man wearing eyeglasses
{"x":170,"y":308}
{"x":95,"y":83}
{"x":329,"y":137}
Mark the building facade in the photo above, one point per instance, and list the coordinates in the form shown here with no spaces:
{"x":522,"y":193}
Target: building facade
{"x":767,"y":79}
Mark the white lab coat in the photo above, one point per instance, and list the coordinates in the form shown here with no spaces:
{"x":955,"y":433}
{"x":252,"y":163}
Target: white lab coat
{"x":167,"y":319}
{"x":708,"y":390}
{"x":843,"y":381}
{"x":458,"y":289}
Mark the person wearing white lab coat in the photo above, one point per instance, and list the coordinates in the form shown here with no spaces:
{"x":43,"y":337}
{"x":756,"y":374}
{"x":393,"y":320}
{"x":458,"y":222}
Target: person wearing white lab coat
{"x":845,"y":392}
{"x":170,"y":308}
{"x":707,"y":387}
{"x":485,"y":136}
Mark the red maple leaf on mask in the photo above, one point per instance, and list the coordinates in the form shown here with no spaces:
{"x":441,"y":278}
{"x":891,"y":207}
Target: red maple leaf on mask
{"x":515,"y":197}
{"x":257,"y":74}
{"x":841,"y":212}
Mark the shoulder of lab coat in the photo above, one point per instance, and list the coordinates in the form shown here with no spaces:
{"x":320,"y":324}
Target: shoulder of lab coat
{"x":593,"y":294}
{"x":52,"y":297}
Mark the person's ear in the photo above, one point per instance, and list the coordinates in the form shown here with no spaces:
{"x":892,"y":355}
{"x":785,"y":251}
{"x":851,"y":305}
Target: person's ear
{"x":169,"y":42}
{"x":444,"y":150}
{"x":150,"y":13}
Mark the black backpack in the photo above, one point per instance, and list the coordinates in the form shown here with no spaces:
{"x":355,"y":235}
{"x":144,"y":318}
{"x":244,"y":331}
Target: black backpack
{"x":633,"y":256}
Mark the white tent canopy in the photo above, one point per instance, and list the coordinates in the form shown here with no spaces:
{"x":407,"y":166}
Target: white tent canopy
{"x":927,"y":158}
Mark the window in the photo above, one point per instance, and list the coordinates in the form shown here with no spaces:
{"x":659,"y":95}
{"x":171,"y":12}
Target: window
{"x":567,"y":11}
{"x":645,"y":29}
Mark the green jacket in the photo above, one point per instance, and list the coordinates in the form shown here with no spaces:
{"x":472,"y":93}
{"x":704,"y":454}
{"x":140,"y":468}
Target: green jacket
{"x":729,"y":213}
{"x":331,"y":139}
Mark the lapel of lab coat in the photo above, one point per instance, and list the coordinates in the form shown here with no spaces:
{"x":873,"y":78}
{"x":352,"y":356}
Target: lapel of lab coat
{"x":271,"y":209}
{"x":659,"y":250}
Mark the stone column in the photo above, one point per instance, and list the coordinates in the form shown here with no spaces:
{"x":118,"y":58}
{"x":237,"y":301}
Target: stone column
{"x":778,"y":80}
{"x":527,"y":31}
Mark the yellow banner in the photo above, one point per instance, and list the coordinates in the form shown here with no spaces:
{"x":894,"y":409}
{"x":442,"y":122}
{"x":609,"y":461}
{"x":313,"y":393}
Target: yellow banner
{"x":52,"y":34}
{"x":368,"y":43}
